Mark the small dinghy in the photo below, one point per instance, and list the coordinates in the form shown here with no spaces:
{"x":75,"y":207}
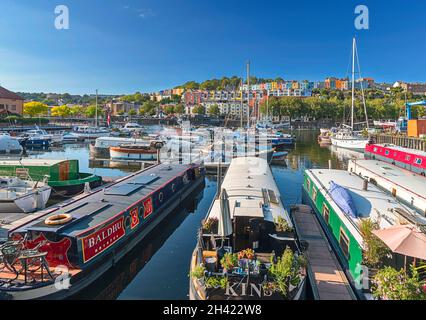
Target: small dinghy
{"x":26,"y":196}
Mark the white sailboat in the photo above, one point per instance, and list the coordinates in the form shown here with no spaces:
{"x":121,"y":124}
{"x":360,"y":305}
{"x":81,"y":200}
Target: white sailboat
{"x":346,"y":137}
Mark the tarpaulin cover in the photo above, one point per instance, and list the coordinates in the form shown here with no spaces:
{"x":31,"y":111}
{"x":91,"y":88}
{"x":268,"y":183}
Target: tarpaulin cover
{"x":343,"y":199}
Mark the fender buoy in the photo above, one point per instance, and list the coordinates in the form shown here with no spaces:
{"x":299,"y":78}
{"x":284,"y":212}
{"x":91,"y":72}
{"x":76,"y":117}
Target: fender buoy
{"x":58,"y":219}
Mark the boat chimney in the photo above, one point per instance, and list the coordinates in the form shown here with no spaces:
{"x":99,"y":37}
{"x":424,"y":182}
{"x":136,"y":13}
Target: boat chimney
{"x":365,"y":184}
{"x":329,"y":164}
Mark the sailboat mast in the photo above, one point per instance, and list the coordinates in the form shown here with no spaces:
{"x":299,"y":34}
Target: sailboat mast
{"x":96,"y":110}
{"x":242,"y":104}
{"x":248,"y":94}
{"x":353,"y":83}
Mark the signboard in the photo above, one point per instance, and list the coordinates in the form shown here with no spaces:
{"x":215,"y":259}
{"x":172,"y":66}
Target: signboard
{"x":135,"y":218}
{"x":147,"y":207}
{"x":97,"y":242}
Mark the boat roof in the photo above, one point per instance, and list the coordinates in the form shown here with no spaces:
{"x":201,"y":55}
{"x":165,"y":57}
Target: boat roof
{"x":251,"y":190}
{"x":402,"y":149}
{"x":408,"y":180}
{"x":31,"y":162}
{"x":371,"y":203}
{"x":104,"y":204}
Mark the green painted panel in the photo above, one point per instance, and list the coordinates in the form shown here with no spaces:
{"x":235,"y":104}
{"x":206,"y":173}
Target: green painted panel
{"x":335,"y":225}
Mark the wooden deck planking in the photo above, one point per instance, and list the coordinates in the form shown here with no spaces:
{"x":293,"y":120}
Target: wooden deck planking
{"x":329,"y":279}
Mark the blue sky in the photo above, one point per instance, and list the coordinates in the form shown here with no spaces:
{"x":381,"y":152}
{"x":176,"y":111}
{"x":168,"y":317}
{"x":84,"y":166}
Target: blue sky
{"x":127,"y":46}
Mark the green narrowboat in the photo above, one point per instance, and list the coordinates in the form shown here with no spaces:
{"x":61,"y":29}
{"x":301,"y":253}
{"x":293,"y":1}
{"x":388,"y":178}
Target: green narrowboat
{"x":63,"y":176}
{"x":343,"y":225}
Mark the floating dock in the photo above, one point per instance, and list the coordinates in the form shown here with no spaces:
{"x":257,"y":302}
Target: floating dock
{"x":328,"y":280}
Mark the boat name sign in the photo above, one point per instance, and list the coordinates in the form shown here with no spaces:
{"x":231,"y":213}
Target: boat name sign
{"x":102,"y":239}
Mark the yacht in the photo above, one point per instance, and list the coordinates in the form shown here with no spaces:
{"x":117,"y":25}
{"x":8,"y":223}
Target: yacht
{"x":89,"y":132}
{"x":346,"y":137}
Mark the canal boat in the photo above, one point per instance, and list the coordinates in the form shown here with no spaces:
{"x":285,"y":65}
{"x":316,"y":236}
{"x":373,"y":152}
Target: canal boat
{"x":134,"y":151}
{"x":242,"y":239}
{"x":87,"y":236}
{"x":132,"y":127}
{"x":342,"y":201}
{"x":402,"y":184}
{"x":9,"y":146}
{"x":100,"y":148}
{"x":409,"y":159}
{"x":17,"y":195}
{"x":63,"y":176}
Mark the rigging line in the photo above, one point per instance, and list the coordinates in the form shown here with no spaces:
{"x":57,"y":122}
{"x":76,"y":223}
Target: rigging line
{"x":362,"y":87}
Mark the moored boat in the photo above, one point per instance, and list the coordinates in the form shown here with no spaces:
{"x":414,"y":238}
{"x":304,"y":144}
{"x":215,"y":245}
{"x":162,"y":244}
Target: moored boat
{"x":87,"y":236}
{"x":63,"y":176}
{"x":134,"y":151}
{"x":244,"y":238}
{"x":409,"y":159}
{"x":407,"y":187}
{"x":89,"y":132}
{"x":100,"y":148}
{"x":345,"y":203}
{"x":9,"y":146}
{"x":17,"y":195}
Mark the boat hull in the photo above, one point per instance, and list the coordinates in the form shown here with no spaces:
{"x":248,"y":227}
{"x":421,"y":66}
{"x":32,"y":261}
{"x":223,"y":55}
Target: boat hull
{"x":349,"y":143}
{"x":89,"y":275}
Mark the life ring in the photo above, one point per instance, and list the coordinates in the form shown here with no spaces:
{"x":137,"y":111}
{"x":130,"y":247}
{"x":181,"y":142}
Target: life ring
{"x":58,"y":219}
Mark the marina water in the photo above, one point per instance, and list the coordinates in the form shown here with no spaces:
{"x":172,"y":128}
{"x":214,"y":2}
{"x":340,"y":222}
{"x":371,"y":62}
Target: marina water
{"x":158,"y":267}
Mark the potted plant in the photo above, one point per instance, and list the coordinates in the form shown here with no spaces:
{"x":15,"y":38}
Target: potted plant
{"x":211,"y":225}
{"x":375,"y":251}
{"x":229,"y":261}
{"x":282,"y":227}
{"x":246,"y":254}
{"x":198,"y":272}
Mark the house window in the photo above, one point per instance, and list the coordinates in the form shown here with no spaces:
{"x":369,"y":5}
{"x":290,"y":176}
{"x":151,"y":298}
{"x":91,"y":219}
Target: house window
{"x":326,"y":213}
{"x":344,"y":243}
{"x":13,"y":107}
{"x":1,"y":106}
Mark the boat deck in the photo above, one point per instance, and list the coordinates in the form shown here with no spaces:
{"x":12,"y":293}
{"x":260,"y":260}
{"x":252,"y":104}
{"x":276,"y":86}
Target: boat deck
{"x":329,"y":282}
{"x":104,"y":204}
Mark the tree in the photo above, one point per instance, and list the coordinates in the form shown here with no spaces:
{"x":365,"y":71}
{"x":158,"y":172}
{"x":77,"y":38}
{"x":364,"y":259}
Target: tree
{"x":76,"y":111}
{"x":132,"y":112}
{"x":179,"y":108}
{"x":199,"y":110}
{"x":149,"y":108}
{"x":169,"y":109}
{"x":214,"y":110}
{"x":90,"y":111}
{"x":61,"y":111}
{"x":35,"y":108}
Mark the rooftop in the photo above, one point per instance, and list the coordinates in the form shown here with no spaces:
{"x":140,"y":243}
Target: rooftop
{"x":6,"y":94}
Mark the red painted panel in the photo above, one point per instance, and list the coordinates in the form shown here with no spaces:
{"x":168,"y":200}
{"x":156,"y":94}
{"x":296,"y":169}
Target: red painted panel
{"x":97,"y":242}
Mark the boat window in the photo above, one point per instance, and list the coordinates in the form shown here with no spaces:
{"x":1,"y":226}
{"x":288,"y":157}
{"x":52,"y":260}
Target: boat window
{"x":123,"y":190}
{"x":272,"y":196}
{"x":375,"y":149}
{"x":308,"y":185}
{"x":407,"y":158}
{"x":344,"y":243}
{"x":418,"y":161}
{"x":387,"y":152}
{"x":314,"y":194}
{"x":326,"y":213}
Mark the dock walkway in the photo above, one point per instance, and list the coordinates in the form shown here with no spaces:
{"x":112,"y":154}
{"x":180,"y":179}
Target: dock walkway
{"x":328,"y":280}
